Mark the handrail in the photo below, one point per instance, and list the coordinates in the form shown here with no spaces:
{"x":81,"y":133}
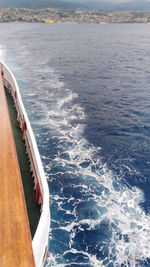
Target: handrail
{"x":40,"y":240}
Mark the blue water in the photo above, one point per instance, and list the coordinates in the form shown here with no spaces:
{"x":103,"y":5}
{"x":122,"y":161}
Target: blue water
{"x":86,"y":89}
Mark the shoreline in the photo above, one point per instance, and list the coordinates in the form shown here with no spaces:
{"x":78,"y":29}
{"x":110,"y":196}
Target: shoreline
{"x":50,"y":15}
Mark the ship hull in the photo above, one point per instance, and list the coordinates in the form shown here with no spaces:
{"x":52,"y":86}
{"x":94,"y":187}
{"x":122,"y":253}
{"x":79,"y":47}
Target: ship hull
{"x":40,"y":239}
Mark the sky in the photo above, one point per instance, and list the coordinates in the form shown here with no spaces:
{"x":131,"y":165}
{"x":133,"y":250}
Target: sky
{"x":115,"y":1}
{"x":112,"y":1}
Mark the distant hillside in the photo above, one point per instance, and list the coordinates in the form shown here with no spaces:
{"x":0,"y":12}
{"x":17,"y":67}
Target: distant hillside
{"x":135,"y":5}
{"x":41,"y":4}
{"x":131,"y":5}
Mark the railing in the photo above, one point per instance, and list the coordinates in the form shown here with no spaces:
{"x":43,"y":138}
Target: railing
{"x":40,"y":240}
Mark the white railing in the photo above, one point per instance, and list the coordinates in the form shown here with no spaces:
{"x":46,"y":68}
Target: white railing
{"x":40,"y":240}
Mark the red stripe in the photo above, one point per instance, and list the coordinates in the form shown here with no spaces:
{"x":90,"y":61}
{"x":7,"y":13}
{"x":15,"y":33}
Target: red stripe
{"x":31,"y":157}
{"x":24,"y":128}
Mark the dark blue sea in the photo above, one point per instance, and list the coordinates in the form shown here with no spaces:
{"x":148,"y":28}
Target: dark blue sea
{"x":86,"y":89}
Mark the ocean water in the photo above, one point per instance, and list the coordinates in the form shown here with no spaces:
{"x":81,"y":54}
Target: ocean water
{"x":86,"y":89}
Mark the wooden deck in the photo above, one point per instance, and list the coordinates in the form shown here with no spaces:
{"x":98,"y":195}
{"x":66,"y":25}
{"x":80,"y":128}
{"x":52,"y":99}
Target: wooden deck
{"x":15,"y":239}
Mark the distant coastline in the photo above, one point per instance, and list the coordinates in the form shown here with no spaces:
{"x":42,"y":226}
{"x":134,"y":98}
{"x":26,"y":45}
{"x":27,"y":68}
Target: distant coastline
{"x":51,"y":15}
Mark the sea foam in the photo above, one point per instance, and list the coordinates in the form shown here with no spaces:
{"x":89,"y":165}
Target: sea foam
{"x":86,"y":197}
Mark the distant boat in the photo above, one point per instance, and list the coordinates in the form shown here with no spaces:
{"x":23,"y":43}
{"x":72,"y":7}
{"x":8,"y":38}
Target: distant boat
{"x":49,"y":21}
{"x":24,"y":194}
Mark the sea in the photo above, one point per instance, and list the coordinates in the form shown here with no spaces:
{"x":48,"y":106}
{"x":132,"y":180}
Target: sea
{"x":86,"y":90}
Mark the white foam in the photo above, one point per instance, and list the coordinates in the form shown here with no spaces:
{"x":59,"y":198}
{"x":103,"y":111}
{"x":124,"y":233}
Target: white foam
{"x":130,"y":238}
{"x":2,"y":53}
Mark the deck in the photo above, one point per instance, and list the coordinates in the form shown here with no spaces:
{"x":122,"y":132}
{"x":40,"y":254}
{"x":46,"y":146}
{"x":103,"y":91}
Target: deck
{"x":15,"y":237}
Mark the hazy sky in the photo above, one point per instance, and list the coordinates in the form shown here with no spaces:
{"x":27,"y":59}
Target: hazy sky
{"x":114,"y":1}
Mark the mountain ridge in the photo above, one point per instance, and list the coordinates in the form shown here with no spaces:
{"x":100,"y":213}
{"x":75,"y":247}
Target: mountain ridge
{"x":34,"y":4}
{"x":133,"y":5}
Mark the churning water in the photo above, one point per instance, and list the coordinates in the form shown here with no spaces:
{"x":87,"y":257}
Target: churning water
{"x":86,"y":89}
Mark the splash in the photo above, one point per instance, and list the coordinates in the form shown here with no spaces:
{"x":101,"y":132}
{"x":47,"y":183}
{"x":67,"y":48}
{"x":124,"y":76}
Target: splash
{"x":2,"y":53}
{"x":96,"y":220}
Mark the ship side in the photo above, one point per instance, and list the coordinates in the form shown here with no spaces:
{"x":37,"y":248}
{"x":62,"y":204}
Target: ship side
{"x":40,"y":234}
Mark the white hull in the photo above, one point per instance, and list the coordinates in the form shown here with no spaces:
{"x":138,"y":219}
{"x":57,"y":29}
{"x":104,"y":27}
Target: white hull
{"x":40,"y":240}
